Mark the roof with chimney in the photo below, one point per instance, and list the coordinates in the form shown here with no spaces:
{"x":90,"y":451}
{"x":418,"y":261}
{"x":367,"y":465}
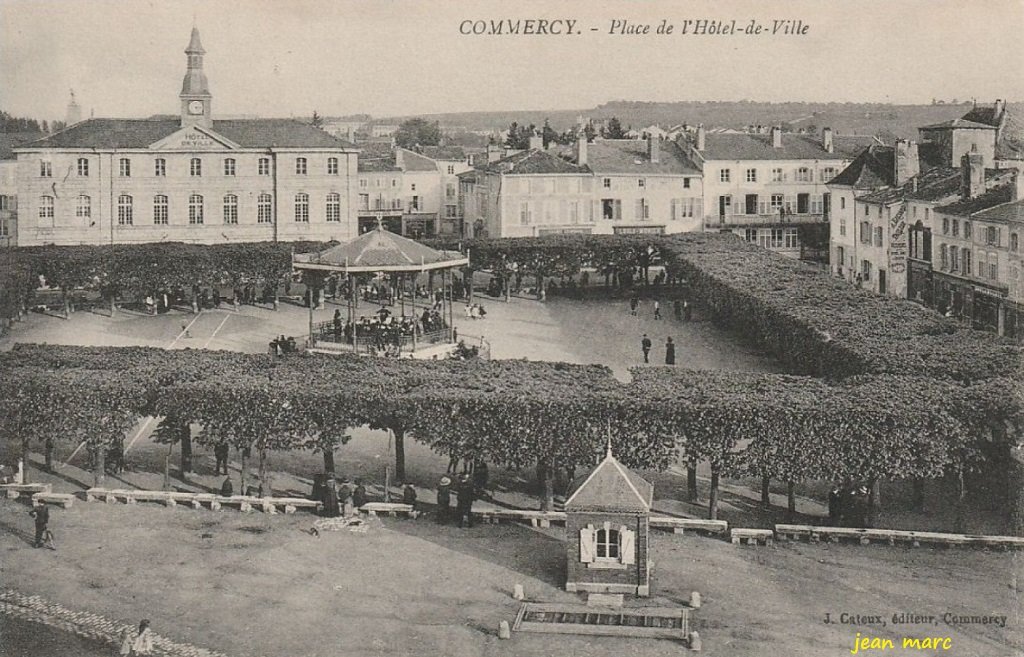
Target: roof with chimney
{"x":958,"y":123}
{"x":989,"y":199}
{"x":610,"y":486}
{"x":533,"y":161}
{"x":141,"y":133}
{"x":872,"y":169}
{"x":446,"y":153}
{"x":937,"y":185}
{"x":1005,"y":213}
{"x":747,"y":146}
{"x":630,"y":156}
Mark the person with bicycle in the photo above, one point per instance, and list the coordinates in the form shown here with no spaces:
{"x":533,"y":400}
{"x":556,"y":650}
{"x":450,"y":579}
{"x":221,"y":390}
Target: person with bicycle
{"x":41,"y":514}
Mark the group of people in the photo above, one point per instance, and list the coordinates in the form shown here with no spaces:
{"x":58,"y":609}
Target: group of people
{"x":282,"y":345}
{"x":670,"y":349}
{"x":475,"y":311}
{"x":465,"y":491}
{"x":680,"y":308}
{"x":849,"y":505}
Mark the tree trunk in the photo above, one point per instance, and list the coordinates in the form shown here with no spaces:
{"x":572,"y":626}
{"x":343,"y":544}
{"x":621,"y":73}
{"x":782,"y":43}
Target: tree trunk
{"x":691,"y":481}
{"x":918,"y":484}
{"x":24,"y":461}
{"x":713,"y":497}
{"x":875,"y":495}
{"x":540,"y":284}
{"x":49,"y":453}
{"x":167,"y":467}
{"x":790,"y":500}
{"x":469,"y":289}
{"x":547,"y":472}
{"x":399,"y":453}
{"x":186,"y":450}
{"x":244,"y":472}
{"x":766,"y":500}
{"x":264,"y":486}
{"x":99,"y":471}
{"x":1015,"y":492}
{"x":113,"y":304}
{"x":331,"y":507}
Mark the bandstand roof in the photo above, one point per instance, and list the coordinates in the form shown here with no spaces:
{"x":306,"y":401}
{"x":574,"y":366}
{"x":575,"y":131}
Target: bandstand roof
{"x":379,"y":250}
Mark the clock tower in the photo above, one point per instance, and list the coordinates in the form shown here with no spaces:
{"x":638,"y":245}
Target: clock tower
{"x":195,"y":91}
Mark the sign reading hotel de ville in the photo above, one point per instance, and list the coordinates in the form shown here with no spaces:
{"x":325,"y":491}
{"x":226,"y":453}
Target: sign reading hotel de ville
{"x":190,"y":138}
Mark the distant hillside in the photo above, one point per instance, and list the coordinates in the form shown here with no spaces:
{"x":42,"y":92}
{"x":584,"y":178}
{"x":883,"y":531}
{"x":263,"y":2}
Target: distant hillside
{"x":844,"y":118}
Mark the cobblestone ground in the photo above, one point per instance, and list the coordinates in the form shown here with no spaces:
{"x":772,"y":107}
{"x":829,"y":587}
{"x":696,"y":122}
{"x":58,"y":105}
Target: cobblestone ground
{"x":36,"y":609}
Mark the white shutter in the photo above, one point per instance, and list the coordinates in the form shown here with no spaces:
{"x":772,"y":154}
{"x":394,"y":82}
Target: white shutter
{"x":627,"y":546}
{"x":588,"y":544}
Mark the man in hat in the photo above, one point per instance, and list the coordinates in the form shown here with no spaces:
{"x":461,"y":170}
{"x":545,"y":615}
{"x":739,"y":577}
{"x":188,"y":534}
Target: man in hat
{"x":645,"y":346}
{"x":464,"y":505}
{"x":444,"y":500}
{"x":41,"y":514}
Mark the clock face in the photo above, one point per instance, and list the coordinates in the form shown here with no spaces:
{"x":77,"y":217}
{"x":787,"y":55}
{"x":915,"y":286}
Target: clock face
{"x":195,"y":107}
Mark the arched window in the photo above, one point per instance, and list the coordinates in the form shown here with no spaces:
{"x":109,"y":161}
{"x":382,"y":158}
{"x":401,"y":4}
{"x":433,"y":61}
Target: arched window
{"x":124,"y":210}
{"x":607,"y":544}
{"x":264,"y":209}
{"x":302,"y":208}
{"x":231,"y":209}
{"x":196,"y":167}
{"x":160,"y":210}
{"x":332,"y":166}
{"x":333,"y":207}
{"x":195,"y":209}
{"x":83,"y":166}
{"x":300,"y":166}
{"x":229,"y":166}
{"x":83,"y":208}
{"x":46,"y":207}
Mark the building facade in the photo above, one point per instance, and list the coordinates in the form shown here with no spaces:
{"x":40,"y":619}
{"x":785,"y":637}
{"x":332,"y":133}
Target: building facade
{"x":191,"y":179}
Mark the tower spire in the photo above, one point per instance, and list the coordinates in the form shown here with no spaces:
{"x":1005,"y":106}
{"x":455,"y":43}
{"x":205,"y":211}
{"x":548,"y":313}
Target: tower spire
{"x":195,"y":90}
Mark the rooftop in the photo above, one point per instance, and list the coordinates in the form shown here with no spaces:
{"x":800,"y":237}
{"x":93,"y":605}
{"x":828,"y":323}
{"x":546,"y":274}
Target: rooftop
{"x":871,"y":169}
{"x":141,"y":133}
{"x":990,"y":199}
{"x":630,"y":156}
{"x":378,"y":250}
{"x":747,"y":146}
{"x":534,"y":161}
{"x":1012,"y":211}
{"x":958,"y":123}
{"x":610,"y":486}
{"x":449,"y":153}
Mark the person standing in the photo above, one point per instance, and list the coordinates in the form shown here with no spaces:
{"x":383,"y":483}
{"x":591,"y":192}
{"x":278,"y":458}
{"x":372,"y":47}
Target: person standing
{"x":41,"y":514}
{"x":444,"y":500}
{"x":359,"y":494}
{"x":834,"y":509}
{"x":220,"y":453}
{"x":686,"y":310}
{"x":670,"y":352}
{"x":464,"y":506}
{"x":657,"y":309}
{"x":645,"y":346}
{"x":409,"y":496}
{"x":634,"y":303}
{"x":137,"y":643}
{"x":677,"y":310}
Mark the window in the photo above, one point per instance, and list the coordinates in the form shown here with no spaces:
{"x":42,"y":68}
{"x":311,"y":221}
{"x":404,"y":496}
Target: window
{"x":449,"y":190}
{"x":333,"y":207}
{"x":302,"y":208}
{"x":943,"y":257}
{"x":683,"y":207}
{"x":965,"y":257}
{"x":827,"y":174}
{"x":300,"y":166}
{"x":945,"y":225}
{"x":878,"y":236}
{"x":865,"y":269}
{"x":414,"y":204}
{"x":574,"y":212}
{"x":778,"y":175}
{"x":363,"y":183}
{"x":992,"y":236}
{"x":332,"y":166}
{"x":993,"y":267}
{"x":641,"y":183}
{"x":46,"y":207}
{"x":607,"y":183}
{"x":611,"y":209}
{"x":264,"y":211}
{"x":83,"y":208}
{"x":451,"y":211}
{"x":750,"y":234}
{"x":124,"y":210}
{"x":776,"y":202}
{"x":196,"y":167}
{"x":956,"y":228}
{"x":1014,"y":242}
{"x":524,"y":213}
{"x":791,"y":238}
{"x":412,"y":187}
{"x":83,"y":166}
{"x":607,"y":544}
{"x":195,"y":208}
{"x":231,"y":209}
{"x":751,"y":175}
{"x":643,"y":210}
{"x":954,"y":259}
{"x":803,"y":174}
{"x":967,"y":230}
{"x":264,"y":166}
{"x":865,"y":232}
{"x":724,"y":175}
{"x":160,"y":167}
{"x":125,"y":168}
{"x":776,"y":238}
{"x":45,"y":169}
{"x":229,"y":166}
{"x":8,"y":202}
{"x":842,"y":227}
{"x":686,"y":183}
{"x":160,"y":210}
{"x":451,"y":170}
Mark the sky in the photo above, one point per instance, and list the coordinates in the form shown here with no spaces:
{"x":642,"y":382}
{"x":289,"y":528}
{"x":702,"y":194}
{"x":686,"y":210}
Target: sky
{"x":124,"y":58}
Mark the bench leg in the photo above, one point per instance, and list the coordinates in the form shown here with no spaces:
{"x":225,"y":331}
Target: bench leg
{"x":371,"y":513}
{"x":170,"y":504}
{"x":544,"y":522}
{"x":245,"y":507}
{"x":289,"y":509}
{"x":214,"y":505}
{"x":736,"y":540}
{"x":864,"y":540}
{"x":196,"y":504}
{"x":769,"y":541}
{"x":90,"y":498}
{"x":12,"y":494}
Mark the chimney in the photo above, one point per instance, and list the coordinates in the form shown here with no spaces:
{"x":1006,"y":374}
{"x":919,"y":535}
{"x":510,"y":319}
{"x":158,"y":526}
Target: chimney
{"x":399,"y":159}
{"x":581,"y":150}
{"x":776,"y":137}
{"x":826,"y":140}
{"x":654,"y":148}
{"x":701,"y":137}
{"x":997,"y":109}
{"x":972,"y":181}
{"x":494,"y":152}
{"x":536,"y":143}
{"x":905,"y":161}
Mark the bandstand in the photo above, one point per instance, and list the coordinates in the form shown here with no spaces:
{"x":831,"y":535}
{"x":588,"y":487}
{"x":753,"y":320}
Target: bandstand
{"x":381,"y":268}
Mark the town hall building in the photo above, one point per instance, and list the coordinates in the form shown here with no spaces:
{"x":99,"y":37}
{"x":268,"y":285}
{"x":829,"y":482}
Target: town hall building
{"x":191,"y":178}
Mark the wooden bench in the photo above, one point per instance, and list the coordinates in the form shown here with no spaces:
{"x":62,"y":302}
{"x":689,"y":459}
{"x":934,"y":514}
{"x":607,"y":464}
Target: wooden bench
{"x":63,"y":499}
{"x":535,"y":518}
{"x":895,"y":536}
{"x":683,"y":525}
{"x":14,"y":491}
{"x":752,"y":536}
{"x":389,"y":508}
